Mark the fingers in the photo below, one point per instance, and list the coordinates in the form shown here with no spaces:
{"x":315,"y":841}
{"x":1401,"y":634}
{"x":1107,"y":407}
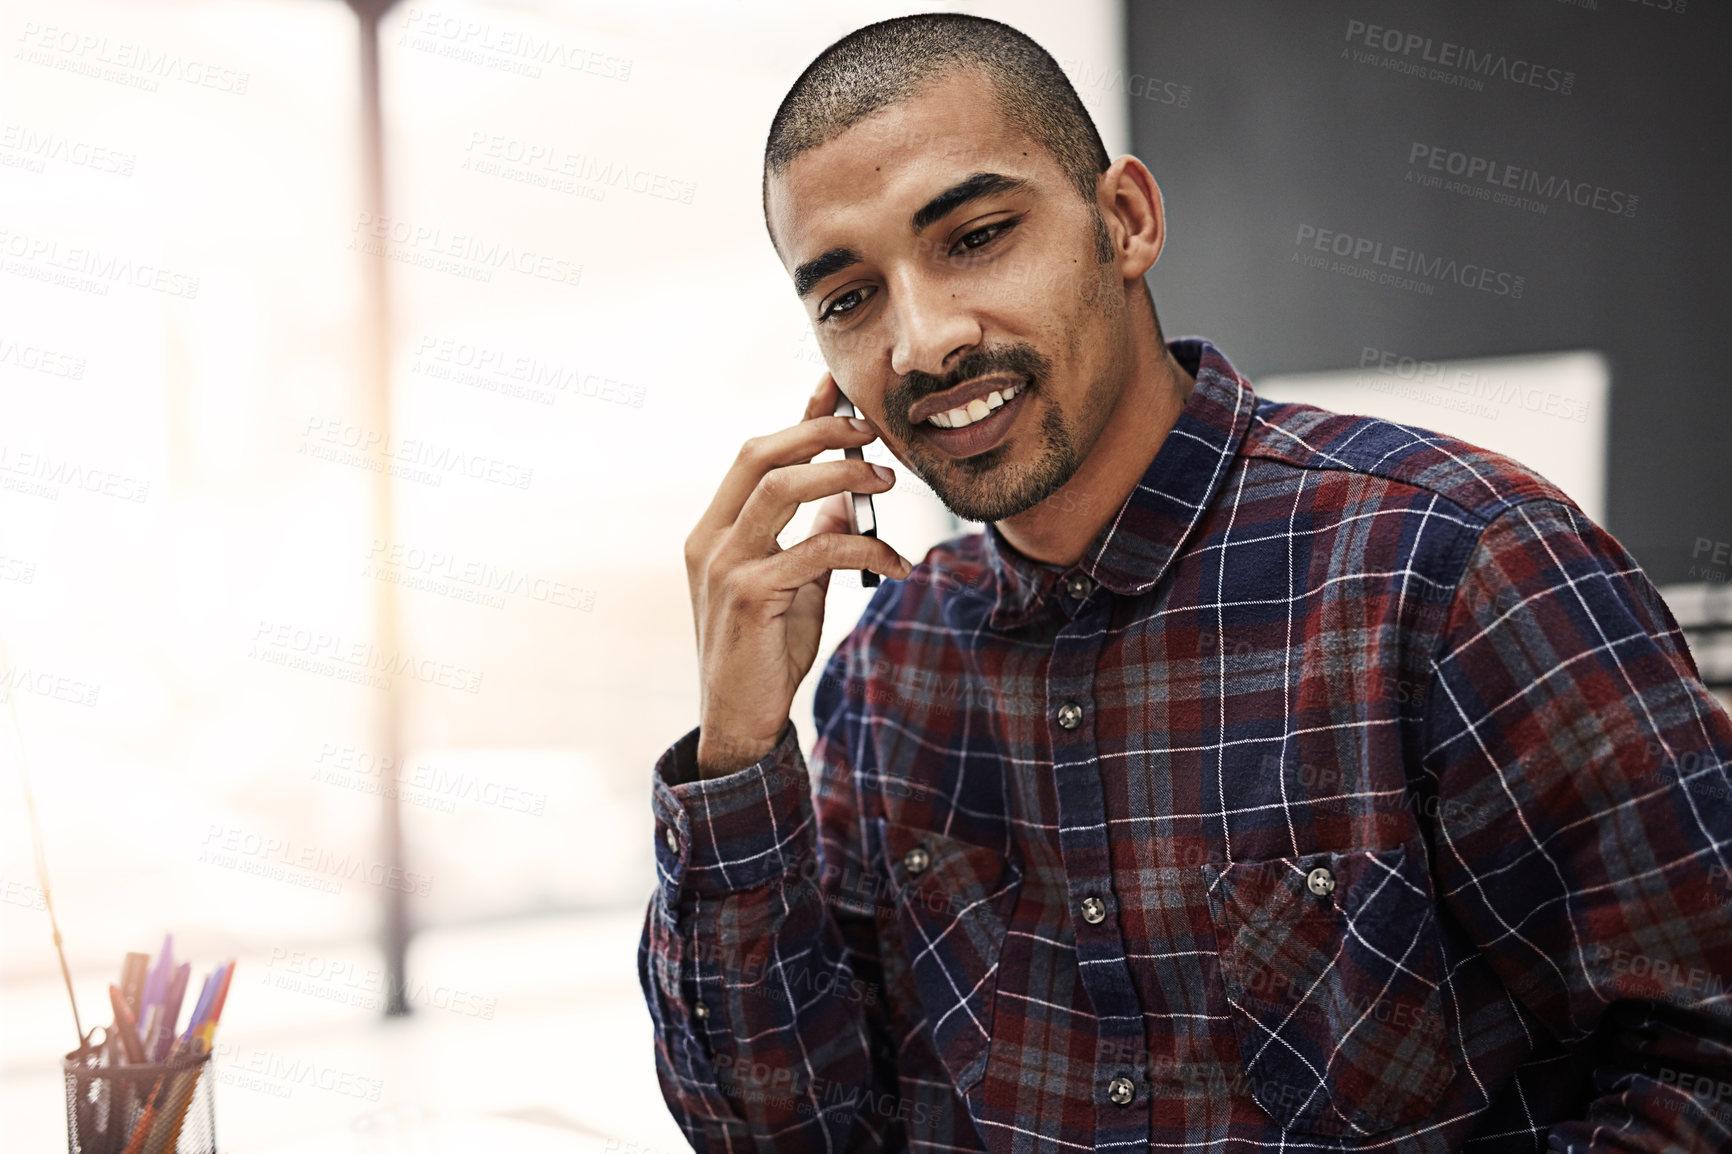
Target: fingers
{"x":816,"y":555}
{"x":832,"y":516}
{"x":794,"y":445}
{"x":771,"y":506}
{"x":822,"y":402}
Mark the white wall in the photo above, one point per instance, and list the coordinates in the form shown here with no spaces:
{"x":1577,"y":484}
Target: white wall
{"x":1548,"y":411}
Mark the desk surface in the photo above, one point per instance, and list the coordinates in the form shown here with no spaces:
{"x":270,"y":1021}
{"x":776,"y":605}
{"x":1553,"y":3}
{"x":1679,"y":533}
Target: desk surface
{"x":564,"y":1062}
{"x":417,"y":1130}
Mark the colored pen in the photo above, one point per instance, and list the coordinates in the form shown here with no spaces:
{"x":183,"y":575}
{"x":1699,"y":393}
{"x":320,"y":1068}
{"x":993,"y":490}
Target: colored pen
{"x":171,"y":1010}
{"x":216,"y":1008}
{"x":125,"y":1026}
{"x":199,"y":1008}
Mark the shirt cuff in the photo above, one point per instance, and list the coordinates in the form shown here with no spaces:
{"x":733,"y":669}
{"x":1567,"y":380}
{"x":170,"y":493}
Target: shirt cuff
{"x":722,"y":835}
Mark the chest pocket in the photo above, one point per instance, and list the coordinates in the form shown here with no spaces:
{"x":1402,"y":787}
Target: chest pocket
{"x":1332,"y":969}
{"x":953,"y":904}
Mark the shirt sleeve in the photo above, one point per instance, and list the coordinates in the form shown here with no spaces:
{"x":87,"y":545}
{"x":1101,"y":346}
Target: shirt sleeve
{"x":1586,"y":843}
{"x":761,"y":984}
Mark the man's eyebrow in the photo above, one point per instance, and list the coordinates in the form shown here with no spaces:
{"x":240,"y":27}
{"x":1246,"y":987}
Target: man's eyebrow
{"x":807,"y":276}
{"x":980,"y":184}
{"x":973,"y":188}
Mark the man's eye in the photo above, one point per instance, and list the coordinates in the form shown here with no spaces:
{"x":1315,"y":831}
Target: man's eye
{"x":842,"y":303}
{"x":986,"y":234}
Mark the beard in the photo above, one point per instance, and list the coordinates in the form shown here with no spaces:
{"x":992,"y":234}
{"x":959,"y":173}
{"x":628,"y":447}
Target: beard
{"x":993,"y":485}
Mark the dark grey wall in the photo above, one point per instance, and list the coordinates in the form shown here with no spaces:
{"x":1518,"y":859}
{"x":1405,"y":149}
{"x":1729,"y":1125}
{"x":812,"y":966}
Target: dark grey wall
{"x":1258,"y":121}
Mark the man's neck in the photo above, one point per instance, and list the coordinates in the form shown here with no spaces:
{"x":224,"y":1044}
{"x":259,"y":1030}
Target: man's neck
{"x":1060,"y":528}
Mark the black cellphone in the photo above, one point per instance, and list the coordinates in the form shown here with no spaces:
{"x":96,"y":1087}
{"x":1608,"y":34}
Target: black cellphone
{"x":862,"y":519}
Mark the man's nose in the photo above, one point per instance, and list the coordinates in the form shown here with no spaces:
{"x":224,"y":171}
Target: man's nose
{"x":934,"y":326}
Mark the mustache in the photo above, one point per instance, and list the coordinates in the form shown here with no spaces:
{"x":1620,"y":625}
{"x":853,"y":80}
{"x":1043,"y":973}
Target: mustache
{"x":1020,"y":359}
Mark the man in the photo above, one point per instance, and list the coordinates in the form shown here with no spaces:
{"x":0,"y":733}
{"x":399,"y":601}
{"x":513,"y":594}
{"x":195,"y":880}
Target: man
{"x":1259,"y":778}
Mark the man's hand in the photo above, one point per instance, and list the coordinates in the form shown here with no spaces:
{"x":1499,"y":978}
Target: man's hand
{"x":758,"y":608}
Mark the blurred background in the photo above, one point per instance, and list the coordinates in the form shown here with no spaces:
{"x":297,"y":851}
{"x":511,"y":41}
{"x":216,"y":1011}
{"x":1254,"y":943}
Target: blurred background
{"x":342,"y":609}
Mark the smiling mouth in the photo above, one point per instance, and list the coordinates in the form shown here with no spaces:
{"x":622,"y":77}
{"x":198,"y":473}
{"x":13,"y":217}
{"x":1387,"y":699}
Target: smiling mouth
{"x":980,"y":433}
{"x":978,"y":409}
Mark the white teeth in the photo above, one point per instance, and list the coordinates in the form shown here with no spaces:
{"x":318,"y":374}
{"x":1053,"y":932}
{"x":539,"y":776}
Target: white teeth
{"x":976,"y":409}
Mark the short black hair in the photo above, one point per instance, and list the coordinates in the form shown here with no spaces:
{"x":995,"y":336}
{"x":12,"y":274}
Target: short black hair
{"x":891,"y":61}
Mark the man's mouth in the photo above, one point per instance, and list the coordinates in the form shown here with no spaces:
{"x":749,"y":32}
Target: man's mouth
{"x":977,"y":427}
{"x":956,"y":406}
{"x":969,"y":409}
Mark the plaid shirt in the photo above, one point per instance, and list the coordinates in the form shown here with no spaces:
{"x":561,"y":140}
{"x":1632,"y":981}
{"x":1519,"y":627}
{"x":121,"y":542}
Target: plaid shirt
{"x":1353,"y":792}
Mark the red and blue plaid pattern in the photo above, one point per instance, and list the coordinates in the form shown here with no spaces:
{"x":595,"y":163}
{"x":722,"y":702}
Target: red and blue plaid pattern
{"x":1354,"y":792}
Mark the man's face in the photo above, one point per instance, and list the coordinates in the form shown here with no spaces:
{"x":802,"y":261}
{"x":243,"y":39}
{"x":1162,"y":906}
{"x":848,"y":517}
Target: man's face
{"x":940,"y":251}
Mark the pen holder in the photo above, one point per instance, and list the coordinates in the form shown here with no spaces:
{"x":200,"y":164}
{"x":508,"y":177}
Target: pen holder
{"x":148,"y":1108}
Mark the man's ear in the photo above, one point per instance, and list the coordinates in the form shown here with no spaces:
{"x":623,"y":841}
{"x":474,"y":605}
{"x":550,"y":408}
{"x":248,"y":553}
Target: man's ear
{"x":1130,"y":204}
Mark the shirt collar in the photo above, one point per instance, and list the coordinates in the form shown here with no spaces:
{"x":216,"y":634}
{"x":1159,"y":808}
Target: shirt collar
{"x":1133,"y":550}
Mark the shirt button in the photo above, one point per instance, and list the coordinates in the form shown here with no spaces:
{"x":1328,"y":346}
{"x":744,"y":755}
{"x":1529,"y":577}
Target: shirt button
{"x":1094,"y":911}
{"x":1070,"y":715}
{"x":1080,"y":586}
{"x":1320,"y":882}
{"x":1122,"y":1091}
{"x":700,"y":1011}
{"x":916,"y":860}
{"x":672,"y":838}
